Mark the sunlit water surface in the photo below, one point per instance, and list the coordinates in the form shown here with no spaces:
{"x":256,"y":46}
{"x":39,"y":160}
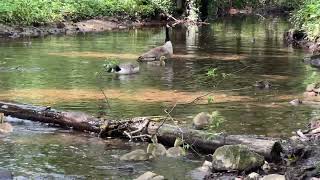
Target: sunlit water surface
{"x":67,"y":73}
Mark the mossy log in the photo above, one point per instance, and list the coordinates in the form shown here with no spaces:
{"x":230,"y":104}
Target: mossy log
{"x":199,"y":140}
{"x":270,"y":148}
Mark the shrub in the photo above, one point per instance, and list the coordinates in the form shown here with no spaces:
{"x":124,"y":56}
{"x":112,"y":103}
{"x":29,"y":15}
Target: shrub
{"x":307,"y":18}
{"x":27,"y":12}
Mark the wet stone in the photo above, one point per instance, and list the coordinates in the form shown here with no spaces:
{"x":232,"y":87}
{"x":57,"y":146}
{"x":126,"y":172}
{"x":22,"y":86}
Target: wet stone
{"x":201,"y":120}
{"x":273,"y":177}
{"x":235,"y":157}
{"x":136,"y":155}
{"x":176,"y":152}
{"x":150,"y":176}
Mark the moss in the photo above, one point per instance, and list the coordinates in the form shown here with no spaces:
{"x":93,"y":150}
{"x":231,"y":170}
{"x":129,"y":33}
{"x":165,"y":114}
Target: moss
{"x":236,"y":157}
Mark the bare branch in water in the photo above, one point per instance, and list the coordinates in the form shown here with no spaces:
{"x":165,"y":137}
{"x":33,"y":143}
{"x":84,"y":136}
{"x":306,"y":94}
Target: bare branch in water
{"x":99,"y":78}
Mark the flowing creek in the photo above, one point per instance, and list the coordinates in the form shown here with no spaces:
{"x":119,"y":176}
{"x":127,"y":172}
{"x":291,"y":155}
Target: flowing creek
{"x":61,"y":71}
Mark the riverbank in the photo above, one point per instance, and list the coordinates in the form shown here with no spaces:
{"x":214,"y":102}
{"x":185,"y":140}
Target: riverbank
{"x":67,"y":28}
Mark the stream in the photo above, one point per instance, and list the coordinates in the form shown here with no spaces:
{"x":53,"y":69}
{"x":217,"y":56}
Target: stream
{"x":66,"y":72}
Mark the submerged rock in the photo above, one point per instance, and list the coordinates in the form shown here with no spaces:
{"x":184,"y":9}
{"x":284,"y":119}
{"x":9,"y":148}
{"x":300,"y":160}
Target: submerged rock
{"x":201,"y":172}
{"x":273,"y":177}
{"x":5,"y":174}
{"x":136,"y":155}
{"x":176,"y":152}
{"x":6,"y":128}
{"x":150,"y":176}
{"x":201,"y":120}
{"x":156,"y":149}
{"x":236,"y":157}
{"x":295,"y":102}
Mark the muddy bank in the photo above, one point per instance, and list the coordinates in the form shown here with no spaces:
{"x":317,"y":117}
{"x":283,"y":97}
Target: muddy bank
{"x":299,"y":39}
{"x":66,"y":28}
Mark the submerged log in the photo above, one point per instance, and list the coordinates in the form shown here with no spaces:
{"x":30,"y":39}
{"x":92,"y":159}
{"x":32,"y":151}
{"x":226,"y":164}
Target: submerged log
{"x":167,"y":134}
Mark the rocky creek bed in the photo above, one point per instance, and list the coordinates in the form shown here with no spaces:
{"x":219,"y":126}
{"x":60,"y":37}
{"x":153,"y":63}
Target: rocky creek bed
{"x":67,"y":28}
{"x":231,"y":157}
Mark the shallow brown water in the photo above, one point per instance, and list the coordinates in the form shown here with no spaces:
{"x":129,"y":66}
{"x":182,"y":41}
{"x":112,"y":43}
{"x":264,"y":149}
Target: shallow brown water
{"x":62,"y":72}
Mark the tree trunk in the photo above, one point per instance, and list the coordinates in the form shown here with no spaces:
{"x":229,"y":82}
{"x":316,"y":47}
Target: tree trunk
{"x":199,"y":140}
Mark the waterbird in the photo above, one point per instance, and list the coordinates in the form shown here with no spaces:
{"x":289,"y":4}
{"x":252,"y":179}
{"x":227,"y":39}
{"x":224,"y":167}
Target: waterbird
{"x":125,"y":69}
{"x":156,"y":53}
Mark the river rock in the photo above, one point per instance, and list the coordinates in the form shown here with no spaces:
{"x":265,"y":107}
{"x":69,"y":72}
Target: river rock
{"x":266,"y":167}
{"x":150,"y":176}
{"x":252,"y":176}
{"x":295,"y":102}
{"x":136,"y":155}
{"x":201,"y":172}
{"x":310,"y":87}
{"x":6,"y":128}
{"x":156,"y":149}
{"x":176,"y":152}
{"x":273,"y":177}
{"x":309,"y":94}
{"x":201,"y":120}
{"x":5,"y":174}
{"x":235,"y":157}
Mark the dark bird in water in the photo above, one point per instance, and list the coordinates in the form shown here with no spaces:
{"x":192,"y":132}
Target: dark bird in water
{"x":262,"y":84}
{"x":124,"y":69}
{"x":156,"y":53}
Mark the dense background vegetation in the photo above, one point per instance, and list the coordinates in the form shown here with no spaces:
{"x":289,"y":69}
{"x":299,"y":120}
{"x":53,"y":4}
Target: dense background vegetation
{"x":33,"y":12}
{"x":307,"y":18}
{"x":27,"y":12}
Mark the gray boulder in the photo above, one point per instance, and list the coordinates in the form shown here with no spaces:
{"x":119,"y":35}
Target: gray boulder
{"x":176,"y":152}
{"x":236,"y":157}
{"x":274,"y":177}
{"x":156,"y":149}
{"x":201,"y":120}
{"x":150,"y":176}
{"x":136,"y":155}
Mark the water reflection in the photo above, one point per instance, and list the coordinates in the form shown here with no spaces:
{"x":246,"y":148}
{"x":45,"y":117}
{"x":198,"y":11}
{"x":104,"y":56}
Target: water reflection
{"x":61,"y":71}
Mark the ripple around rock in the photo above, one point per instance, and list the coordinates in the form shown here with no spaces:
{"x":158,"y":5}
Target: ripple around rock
{"x":201,"y":172}
{"x":136,"y":155}
{"x":235,"y":157}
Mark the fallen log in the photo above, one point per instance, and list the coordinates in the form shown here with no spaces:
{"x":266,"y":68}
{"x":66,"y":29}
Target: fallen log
{"x":270,"y":148}
{"x":147,"y":126}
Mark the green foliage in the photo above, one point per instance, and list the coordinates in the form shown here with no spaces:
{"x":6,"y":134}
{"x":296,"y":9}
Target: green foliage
{"x":307,"y":18}
{"x":28,"y":12}
{"x":216,"y":120}
{"x":214,"y":6}
{"x":210,"y":99}
{"x":212,"y":72}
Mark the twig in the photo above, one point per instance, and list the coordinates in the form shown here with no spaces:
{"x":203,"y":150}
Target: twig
{"x":204,"y":95}
{"x":99,"y":75}
{"x":198,"y":98}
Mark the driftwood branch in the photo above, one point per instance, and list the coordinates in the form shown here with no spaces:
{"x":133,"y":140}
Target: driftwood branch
{"x":200,"y":140}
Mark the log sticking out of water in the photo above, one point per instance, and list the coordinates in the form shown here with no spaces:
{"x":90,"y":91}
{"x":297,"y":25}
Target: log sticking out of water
{"x":200,"y":140}
{"x":270,"y":148}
